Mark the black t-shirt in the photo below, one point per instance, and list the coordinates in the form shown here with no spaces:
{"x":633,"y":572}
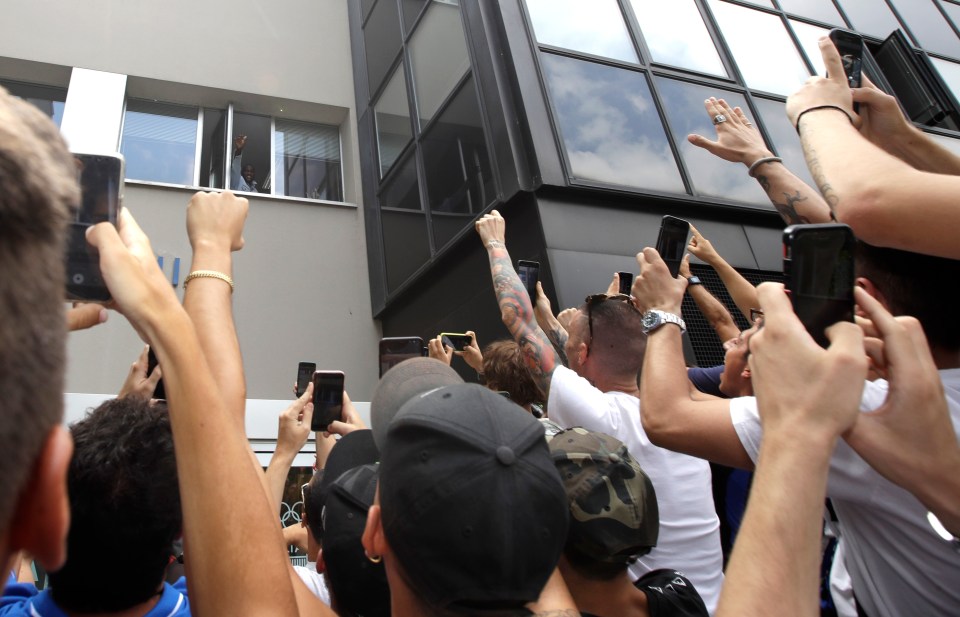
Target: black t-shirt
{"x":669,"y":594}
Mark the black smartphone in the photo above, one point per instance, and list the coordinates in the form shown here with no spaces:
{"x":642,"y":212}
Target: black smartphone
{"x":159,"y":392}
{"x":850,"y":46}
{"x":100,"y":177}
{"x":455,"y":340}
{"x":327,"y":399}
{"x":818,"y":269}
{"x":672,"y":242}
{"x":529,"y":272}
{"x":304,"y":374}
{"x":626,"y":282}
{"x":394,"y":350}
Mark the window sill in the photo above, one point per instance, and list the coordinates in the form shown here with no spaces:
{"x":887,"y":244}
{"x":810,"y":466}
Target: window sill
{"x":256,"y":196}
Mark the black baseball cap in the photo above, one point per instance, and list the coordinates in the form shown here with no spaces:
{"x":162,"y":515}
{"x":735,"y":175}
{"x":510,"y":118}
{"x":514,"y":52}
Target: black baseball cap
{"x":471,"y":503}
{"x":352,"y":450}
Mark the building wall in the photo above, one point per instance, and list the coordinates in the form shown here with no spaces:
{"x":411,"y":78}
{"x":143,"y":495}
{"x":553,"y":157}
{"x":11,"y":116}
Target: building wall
{"x":302,"y":291}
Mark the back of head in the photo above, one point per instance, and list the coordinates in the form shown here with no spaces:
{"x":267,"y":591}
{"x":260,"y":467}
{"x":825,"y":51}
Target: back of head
{"x":614,"y":517}
{"x":471,"y":506}
{"x":38,"y":177}
{"x":124,"y":506}
{"x":504,"y":369}
{"x":617,"y":342}
{"x":922,"y":286}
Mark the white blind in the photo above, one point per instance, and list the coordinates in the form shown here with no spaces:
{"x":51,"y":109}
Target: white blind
{"x":315,"y":141}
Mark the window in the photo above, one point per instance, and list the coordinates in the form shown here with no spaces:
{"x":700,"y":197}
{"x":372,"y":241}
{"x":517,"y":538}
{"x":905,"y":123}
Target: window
{"x":382,"y":39}
{"x":438,"y":57}
{"x":160,"y":142}
{"x":676,"y":35}
{"x":393,"y":121}
{"x":871,"y":17}
{"x":406,"y":245}
{"x":307,"y":161}
{"x":594,"y":27}
{"x":822,"y":10}
{"x":928,"y":26}
{"x":48,"y":99}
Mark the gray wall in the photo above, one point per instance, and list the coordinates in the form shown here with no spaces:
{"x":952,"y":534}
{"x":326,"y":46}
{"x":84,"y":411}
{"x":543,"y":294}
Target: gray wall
{"x":302,"y":289}
{"x":301,"y":294}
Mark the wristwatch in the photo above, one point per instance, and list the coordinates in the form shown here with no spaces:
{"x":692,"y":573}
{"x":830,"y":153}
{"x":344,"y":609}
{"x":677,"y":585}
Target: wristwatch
{"x":654,"y":318}
{"x":694,"y":280}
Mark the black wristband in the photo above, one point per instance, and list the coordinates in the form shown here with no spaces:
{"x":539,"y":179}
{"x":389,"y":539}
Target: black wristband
{"x":694,"y":280}
{"x":805,"y":111}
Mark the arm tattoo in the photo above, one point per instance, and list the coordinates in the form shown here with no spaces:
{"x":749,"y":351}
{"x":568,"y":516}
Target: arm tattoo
{"x":819,"y":176}
{"x":516,"y":311}
{"x":788,"y":209}
{"x":558,"y":338}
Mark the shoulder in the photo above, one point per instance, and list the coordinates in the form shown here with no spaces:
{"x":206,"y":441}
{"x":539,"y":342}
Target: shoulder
{"x":670,"y":593}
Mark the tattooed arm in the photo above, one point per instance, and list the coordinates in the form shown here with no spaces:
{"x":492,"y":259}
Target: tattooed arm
{"x":549,"y":324}
{"x":516,"y":311}
{"x":796,"y":201}
{"x":886,"y":201}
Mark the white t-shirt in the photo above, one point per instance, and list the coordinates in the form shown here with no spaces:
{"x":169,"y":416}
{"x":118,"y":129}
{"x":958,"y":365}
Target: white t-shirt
{"x":689,"y":538}
{"x":314,"y":581}
{"x":898,"y":565}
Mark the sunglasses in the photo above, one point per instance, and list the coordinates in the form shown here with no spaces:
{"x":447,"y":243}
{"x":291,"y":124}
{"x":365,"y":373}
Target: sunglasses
{"x":596,"y":299}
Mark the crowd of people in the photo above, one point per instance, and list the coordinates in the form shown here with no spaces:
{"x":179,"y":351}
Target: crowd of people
{"x":586,"y":490}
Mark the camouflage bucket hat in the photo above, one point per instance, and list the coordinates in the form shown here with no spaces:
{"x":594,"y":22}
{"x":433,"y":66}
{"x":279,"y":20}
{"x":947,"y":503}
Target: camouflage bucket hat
{"x":613,"y":508}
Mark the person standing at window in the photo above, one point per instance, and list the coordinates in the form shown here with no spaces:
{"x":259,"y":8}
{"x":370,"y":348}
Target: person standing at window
{"x":242,"y":176}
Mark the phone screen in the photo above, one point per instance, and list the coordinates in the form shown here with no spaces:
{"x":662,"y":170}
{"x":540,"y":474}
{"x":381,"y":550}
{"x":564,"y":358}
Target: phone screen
{"x":304,"y":375}
{"x":672,"y":242}
{"x":327,"y":399}
{"x":626,"y":282}
{"x":101,"y":180}
{"x":394,"y":350}
{"x":529,"y":272}
{"x":456,"y":341}
{"x":819,"y":268}
{"x":850,"y":46}
{"x":159,"y":392}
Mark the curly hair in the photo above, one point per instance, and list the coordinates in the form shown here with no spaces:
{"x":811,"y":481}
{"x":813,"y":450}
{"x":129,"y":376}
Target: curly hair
{"x":504,"y":369}
{"x":124,"y":508}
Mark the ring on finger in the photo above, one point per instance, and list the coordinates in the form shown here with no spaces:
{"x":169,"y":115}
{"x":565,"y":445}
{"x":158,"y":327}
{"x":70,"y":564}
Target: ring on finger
{"x":719,"y":119}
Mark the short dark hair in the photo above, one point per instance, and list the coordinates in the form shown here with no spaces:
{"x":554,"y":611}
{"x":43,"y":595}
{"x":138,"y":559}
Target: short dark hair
{"x":313,"y":506}
{"x":124,"y":506}
{"x":617,"y":341}
{"x":504,"y":369}
{"x":39,"y":188}
{"x":921,"y":286}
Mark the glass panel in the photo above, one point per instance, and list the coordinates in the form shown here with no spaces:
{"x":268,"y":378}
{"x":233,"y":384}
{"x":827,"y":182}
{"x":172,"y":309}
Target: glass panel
{"x":250,"y":168}
{"x":928,"y":26}
{"x":762,"y":48}
{"x":457,"y":166}
{"x":617,"y":137}
{"x":392,"y":115}
{"x":213,"y":148}
{"x":809,"y":37}
{"x":950,"y":73}
{"x":595,"y":27}
{"x":822,"y":10}
{"x":405,"y":243}
{"x":48,"y":99}
{"x":872,"y":17}
{"x":159,"y":142}
{"x":785,"y":139}
{"x":676,"y":35}
{"x":307,"y":160}
{"x":411,"y":9}
{"x":709,"y":174}
{"x":953,"y":11}
{"x":381,"y":39}
{"x":438,"y":57}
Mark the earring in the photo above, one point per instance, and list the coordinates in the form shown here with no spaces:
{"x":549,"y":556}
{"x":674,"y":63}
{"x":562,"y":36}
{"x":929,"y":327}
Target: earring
{"x":374,"y":558}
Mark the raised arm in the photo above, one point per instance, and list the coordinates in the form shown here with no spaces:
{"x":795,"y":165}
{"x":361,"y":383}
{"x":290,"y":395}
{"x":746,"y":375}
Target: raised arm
{"x":549,"y":324}
{"x":215,"y":227}
{"x":670,"y":417}
{"x":739,"y":141}
{"x":516,"y":310}
{"x":292,"y":433}
{"x":885,"y":200}
{"x":220,"y":485}
{"x":807,"y":397}
{"x":712,"y":309}
{"x":742,"y":291}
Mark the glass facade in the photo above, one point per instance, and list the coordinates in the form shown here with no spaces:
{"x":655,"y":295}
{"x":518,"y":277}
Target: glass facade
{"x":48,"y":99}
{"x":160,"y":141}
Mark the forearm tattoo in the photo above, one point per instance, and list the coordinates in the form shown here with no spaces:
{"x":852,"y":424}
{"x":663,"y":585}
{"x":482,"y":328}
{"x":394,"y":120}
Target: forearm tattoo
{"x":558,"y":337}
{"x":819,"y":175}
{"x":788,"y":209}
{"x":517,"y":314}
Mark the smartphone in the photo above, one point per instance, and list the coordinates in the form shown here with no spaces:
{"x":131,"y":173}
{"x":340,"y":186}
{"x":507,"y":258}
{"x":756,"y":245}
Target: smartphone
{"x":672,"y":242}
{"x":850,"y":46}
{"x":100,"y":177}
{"x":327,"y":399}
{"x":818,"y":268}
{"x":159,"y":392}
{"x":626,"y":282}
{"x":304,"y":374}
{"x":529,"y":272}
{"x":394,"y":350}
{"x":455,"y":340}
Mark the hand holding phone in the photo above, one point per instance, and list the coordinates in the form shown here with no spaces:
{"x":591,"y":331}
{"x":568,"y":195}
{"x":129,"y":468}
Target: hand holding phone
{"x":672,"y":242}
{"x":529,"y":273}
{"x":626,"y":282}
{"x":850,"y":46}
{"x":304,"y":374}
{"x":455,"y":340}
{"x":101,"y":179}
{"x":327,"y":399}
{"x":396,"y":349}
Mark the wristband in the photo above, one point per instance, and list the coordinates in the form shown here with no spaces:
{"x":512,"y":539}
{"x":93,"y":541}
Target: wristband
{"x":761,"y":161}
{"x":694,"y":280}
{"x":209,"y":274}
{"x":817,"y":108}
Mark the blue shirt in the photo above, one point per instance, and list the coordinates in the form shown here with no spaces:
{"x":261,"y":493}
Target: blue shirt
{"x":24,"y":599}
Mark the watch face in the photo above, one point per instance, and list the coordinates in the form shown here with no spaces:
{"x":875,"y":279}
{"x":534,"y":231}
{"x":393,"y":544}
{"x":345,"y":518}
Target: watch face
{"x":650,"y":319}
